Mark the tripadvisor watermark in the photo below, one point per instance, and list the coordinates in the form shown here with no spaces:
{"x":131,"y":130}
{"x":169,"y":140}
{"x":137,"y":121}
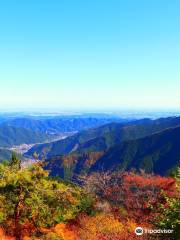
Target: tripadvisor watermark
{"x":140,"y":231}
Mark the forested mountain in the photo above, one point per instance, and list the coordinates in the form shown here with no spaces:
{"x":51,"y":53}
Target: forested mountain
{"x":10,"y":136}
{"x":158,"y":153}
{"x":104,"y":137}
{"x":105,"y":206}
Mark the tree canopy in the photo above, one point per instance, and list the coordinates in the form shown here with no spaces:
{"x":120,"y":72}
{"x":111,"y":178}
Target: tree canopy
{"x":29,"y":196}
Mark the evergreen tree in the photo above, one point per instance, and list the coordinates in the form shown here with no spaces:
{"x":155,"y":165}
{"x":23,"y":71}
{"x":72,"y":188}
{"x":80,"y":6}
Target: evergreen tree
{"x":15,"y":163}
{"x":29,"y":196}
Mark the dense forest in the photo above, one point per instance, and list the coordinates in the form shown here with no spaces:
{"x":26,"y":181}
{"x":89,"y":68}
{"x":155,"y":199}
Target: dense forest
{"x":97,"y":206}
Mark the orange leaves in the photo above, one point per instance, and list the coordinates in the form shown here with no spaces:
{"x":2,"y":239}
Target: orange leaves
{"x":102,"y":225}
{"x":3,"y":236}
{"x":105,"y":227}
{"x":139,"y":195}
{"x":65,"y":232}
{"x":26,"y":238}
{"x":119,"y":202}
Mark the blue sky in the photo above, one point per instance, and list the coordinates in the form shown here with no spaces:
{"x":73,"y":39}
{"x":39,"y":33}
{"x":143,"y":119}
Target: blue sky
{"x":90,"y":54}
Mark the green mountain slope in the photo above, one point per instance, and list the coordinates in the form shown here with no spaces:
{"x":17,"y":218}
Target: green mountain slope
{"x":157,"y":153}
{"x":10,"y":136}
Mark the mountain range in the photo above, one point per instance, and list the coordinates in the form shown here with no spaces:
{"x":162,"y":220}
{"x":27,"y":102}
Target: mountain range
{"x":18,"y":130}
{"x":151,"y":145}
{"x":158,"y":153}
{"x":95,"y":144}
{"x":104,"y":137}
{"x":10,"y":136}
{"x":59,"y":124}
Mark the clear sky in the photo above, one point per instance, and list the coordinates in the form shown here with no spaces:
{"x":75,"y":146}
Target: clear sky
{"x":89,"y":53}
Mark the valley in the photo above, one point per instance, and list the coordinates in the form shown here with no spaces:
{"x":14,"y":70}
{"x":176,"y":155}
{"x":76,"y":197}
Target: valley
{"x":121,"y":173}
{"x":110,"y":142}
{"x":23,"y":148}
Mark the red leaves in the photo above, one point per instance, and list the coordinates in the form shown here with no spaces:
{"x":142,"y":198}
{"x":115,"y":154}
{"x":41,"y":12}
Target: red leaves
{"x":144,"y":194}
{"x":164,"y":183}
{"x":140,"y":195}
{"x":122,"y":201}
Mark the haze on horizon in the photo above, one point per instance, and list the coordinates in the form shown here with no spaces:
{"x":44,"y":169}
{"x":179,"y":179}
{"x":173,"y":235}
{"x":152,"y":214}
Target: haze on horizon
{"x":90,"y":54}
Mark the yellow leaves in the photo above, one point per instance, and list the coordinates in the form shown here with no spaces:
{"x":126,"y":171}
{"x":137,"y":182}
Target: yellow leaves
{"x":39,"y":172}
{"x":37,"y":198}
{"x":106,"y":227}
{"x":104,"y":224}
{"x":131,"y":225}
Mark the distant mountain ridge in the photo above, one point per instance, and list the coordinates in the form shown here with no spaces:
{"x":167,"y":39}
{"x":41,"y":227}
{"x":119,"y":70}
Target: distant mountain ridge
{"x":58,"y":124}
{"x":104,"y":137}
{"x":10,"y":136}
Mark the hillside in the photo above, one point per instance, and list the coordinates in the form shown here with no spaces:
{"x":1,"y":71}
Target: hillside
{"x":105,"y":206}
{"x":10,"y":136}
{"x":5,"y":154}
{"x":104,"y":137}
{"x":157,"y":153}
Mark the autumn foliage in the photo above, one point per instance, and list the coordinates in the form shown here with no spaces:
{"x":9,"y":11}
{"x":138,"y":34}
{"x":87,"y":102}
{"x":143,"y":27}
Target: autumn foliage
{"x":106,"y":206}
